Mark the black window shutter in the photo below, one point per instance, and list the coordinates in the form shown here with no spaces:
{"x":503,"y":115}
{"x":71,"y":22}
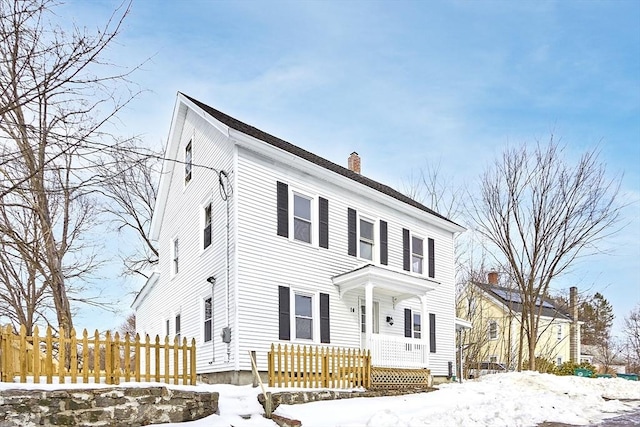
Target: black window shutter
{"x":432,"y":257}
{"x":384,"y":245}
{"x":406,"y":255}
{"x":283,"y":209}
{"x":325,"y":333}
{"x":323,"y":220}
{"x":352,"y":237}
{"x":407,"y":322}
{"x":284,"y":310}
{"x":432,"y":332}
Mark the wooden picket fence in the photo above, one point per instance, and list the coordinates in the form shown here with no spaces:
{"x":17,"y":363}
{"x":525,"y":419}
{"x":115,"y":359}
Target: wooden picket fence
{"x":318,"y":367}
{"x":94,"y":359}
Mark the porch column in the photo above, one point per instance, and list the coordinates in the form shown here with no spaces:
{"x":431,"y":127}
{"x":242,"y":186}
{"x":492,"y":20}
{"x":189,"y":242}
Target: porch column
{"x":426,"y":330}
{"x":368,"y":313}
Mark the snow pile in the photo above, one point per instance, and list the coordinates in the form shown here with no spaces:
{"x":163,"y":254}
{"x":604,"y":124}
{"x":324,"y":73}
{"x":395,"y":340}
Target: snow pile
{"x":509,"y":399}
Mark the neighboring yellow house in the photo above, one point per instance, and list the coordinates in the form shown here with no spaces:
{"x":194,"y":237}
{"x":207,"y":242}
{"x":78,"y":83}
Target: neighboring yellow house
{"x":492,"y":342}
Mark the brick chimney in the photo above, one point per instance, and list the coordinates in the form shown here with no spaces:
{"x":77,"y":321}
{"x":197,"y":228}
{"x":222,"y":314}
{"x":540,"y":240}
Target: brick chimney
{"x":574,"y":329}
{"x":354,"y":162}
{"x":492,"y":277}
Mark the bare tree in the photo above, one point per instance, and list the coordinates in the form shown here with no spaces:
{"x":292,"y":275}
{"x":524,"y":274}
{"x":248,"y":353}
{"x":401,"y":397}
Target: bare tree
{"x":57,"y":95}
{"x":632,"y":336}
{"x":541,"y":213}
{"x":130,"y":178}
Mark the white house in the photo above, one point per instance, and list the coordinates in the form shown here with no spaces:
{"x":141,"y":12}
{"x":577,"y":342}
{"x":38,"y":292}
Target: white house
{"x":263,"y":242}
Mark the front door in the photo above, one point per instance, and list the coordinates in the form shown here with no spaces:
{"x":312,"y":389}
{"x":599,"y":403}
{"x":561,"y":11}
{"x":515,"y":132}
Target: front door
{"x":375,"y":320}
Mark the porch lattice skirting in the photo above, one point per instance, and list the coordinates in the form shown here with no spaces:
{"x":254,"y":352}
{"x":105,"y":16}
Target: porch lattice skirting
{"x":399,"y":378}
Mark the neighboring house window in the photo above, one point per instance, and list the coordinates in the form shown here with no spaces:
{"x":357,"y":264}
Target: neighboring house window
{"x":175,"y":256}
{"x":559,"y":332}
{"x":178,"y":328}
{"x":304,"y":317}
{"x":366,"y":239}
{"x":559,"y":361}
{"x":188,"y":162}
{"x":168,"y":328}
{"x":493,"y":330}
{"x":299,"y":311}
{"x":493,"y":359}
{"x":207,"y":226}
{"x":302,"y":228}
{"x":208,"y":319}
{"x":417,"y":255}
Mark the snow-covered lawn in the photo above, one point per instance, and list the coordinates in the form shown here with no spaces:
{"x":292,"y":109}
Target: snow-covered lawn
{"x":510,"y":399}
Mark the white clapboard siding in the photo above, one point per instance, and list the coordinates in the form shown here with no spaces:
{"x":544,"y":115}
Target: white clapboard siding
{"x":185,"y":292}
{"x":267,"y":261}
{"x":259,"y":261}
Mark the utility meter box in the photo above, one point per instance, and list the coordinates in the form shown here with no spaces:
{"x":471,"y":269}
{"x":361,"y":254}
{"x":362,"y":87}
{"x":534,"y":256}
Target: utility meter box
{"x":226,"y":334}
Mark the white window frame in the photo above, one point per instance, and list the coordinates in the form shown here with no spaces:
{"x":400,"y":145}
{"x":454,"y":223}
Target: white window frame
{"x":188,"y":162}
{"x":559,"y":360}
{"x":414,"y":333}
{"x":207,"y":205}
{"x":206,"y":319}
{"x":314,"y":316}
{"x":414,"y":254}
{"x":177,"y":324}
{"x":489,"y":327}
{"x":360,"y":239}
{"x":375,"y":318}
{"x":312,"y":214}
{"x":559,"y":331}
{"x":175,"y":256}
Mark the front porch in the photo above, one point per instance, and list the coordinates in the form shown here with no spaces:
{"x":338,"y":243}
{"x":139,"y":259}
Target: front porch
{"x":408,"y":344}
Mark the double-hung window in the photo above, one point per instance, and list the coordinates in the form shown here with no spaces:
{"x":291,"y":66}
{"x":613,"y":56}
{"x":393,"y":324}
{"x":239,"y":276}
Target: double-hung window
{"x":304,"y":316}
{"x":366,"y":239}
{"x":178,"y":327}
{"x":188,"y":162}
{"x":175,"y":256}
{"x":417,"y":254}
{"x":302,"y":228}
{"x":493,"y":330}
{"x":417,"y":325}
{"x":208,"y":319}
{"x":559,"y":332}
{"x":207,"y":226}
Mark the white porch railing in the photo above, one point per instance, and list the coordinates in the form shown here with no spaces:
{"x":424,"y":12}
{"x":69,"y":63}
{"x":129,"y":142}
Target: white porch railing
{"x":389,"y":351}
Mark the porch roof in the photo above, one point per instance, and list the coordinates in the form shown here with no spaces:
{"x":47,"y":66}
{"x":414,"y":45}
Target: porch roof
{"x":402,"y":284}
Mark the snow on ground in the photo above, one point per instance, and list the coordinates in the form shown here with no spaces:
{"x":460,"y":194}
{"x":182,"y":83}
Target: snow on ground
{"x":508,"y":399}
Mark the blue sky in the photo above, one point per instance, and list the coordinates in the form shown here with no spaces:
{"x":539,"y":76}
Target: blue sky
{"x":406,"y":84}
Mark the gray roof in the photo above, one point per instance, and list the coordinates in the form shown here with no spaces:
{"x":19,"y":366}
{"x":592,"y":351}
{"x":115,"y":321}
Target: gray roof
{"x":293,"y":149}
{"x":511,"y":297}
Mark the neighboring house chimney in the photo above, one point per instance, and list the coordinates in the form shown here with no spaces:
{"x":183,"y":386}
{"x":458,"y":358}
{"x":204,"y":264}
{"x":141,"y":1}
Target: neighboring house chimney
{"x":492,"y":277}
{"x":574,"y":330}
{"x":354,"y":162}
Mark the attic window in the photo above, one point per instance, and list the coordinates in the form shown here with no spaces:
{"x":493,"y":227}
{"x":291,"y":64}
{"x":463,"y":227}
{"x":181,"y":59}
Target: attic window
{"x":188,"y":159}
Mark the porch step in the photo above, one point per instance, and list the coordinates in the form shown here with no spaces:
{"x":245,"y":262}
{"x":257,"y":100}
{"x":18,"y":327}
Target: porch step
{"x":398,"y":378}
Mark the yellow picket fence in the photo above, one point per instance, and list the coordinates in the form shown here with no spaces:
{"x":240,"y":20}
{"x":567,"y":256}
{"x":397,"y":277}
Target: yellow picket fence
{"x":318,"y":367}
{"x":94,"y":359}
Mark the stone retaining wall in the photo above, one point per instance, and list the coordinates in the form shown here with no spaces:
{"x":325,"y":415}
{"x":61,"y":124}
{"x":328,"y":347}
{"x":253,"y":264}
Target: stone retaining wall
{"x":109,"y":406}
{"x":298,"y":397}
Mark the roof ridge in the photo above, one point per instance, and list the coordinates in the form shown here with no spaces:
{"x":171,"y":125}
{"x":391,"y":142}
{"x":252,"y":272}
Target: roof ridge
{"x":314,"y":158}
